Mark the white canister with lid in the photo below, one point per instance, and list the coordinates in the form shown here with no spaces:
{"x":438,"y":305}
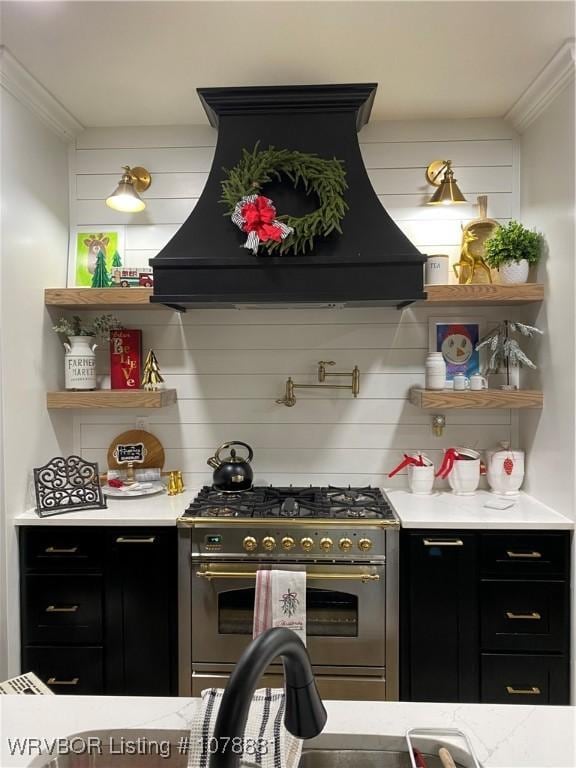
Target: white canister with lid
{"x":435,"y":371}
{"x":505,"y":469}
{"x":436,"y":270}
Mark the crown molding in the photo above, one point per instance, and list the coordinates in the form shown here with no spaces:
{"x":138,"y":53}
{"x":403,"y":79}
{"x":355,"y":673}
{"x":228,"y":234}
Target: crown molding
{"x":15,"y":79}
{"x":543,"y":90}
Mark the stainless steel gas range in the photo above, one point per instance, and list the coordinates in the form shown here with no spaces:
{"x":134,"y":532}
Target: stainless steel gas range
{"x":346,"y":539}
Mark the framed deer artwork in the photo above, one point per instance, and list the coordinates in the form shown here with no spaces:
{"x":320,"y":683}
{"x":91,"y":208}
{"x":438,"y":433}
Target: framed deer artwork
{"x":93,"y":253}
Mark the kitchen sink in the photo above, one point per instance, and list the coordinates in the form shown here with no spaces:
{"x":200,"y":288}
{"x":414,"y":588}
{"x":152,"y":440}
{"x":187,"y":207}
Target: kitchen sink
{"x":362,"y":758}
{"x":147,"y":748}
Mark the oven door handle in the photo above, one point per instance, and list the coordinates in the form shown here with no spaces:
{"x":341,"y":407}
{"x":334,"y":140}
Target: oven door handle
{"x":363,"y":577}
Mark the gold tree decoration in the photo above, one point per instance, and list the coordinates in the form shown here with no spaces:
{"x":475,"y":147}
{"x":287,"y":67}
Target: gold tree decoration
{"x":151,"y":377}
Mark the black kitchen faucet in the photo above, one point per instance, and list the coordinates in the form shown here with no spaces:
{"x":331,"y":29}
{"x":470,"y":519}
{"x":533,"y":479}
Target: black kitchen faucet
{"x":305,"y":715}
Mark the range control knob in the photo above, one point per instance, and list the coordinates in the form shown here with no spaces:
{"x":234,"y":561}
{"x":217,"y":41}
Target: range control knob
{"x":269,"y":543}
{"x":345,"y":544}
{"x":250,"y":544}
{"x":365,"y":544}
{"x":306,"y":543}
{"x":326,"y":544}
{"x":288,"y":543}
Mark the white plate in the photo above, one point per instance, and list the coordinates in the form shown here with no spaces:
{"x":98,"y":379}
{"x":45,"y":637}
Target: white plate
{"x":120,"y":493}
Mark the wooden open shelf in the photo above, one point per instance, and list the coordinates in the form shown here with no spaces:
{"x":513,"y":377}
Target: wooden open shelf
{"x":483,"y":294}
{"x":111,"y":398}
{"x":139,"y":298}
{"x":485,"y":398}
{"x":100,"y":298}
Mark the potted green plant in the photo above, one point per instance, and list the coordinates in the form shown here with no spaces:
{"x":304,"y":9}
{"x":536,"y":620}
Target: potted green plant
{"x":80,"y":358}
{"x":512,"y":249}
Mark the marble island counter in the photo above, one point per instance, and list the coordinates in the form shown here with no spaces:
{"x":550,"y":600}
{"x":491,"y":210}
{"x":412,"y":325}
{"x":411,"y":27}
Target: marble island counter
{"x":503,"y":736}
{"x":440,"y":510}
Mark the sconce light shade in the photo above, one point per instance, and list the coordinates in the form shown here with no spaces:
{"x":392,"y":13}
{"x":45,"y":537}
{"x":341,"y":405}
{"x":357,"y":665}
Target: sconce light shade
{"x":448,"y":192}
{"x":126,"y":197}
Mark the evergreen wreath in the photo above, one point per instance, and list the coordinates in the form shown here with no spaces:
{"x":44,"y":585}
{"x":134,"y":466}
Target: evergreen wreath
{"x":256,"y":214}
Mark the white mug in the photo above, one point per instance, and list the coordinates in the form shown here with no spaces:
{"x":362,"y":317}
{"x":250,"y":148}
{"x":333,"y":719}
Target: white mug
{"x":461,"y":382}
{"x":477,"y":382}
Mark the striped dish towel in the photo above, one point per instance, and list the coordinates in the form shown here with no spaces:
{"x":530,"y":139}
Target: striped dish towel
{"x":266,"y":741}
{"x":280,"y":601}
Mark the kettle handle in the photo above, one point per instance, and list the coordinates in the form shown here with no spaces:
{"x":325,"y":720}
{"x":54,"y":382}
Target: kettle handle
{"x":228,"y":445}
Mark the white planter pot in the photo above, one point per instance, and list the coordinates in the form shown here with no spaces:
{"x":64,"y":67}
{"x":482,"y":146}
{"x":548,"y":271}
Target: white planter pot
{"x":465,"y":476}
{"x":514,"y":272}
{"x":421,"y":479}
{"x":80,"y":363}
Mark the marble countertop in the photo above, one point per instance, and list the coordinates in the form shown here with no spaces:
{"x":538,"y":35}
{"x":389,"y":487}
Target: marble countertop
{"x":446,"y":510}
{"x":504,"y":736}
{"x":159,"y":509}
{"x":439,"y":510}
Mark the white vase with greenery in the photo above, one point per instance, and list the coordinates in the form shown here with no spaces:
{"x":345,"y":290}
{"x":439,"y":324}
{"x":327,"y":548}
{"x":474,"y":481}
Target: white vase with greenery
{"x":512,"y":249}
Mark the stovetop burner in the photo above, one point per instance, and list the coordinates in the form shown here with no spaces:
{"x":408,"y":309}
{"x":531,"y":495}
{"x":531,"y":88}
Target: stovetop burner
{"x":294,"y":503}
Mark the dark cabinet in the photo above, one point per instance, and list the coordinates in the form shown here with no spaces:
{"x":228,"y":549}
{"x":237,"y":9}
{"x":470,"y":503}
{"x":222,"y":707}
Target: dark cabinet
{"x":485,"y":616}
{"x":141,"y":612}
{"x":439,"y":637}
{"x":98,"y":609}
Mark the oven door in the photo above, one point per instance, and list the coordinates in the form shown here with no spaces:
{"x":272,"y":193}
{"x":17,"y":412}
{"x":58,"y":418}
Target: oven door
{"x":345,"y":612}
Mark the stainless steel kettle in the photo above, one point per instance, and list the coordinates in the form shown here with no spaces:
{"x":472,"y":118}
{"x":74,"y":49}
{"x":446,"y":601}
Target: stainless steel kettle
{"x":233,"y":473}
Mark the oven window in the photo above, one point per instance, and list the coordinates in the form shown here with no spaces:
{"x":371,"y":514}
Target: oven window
{"x":328,"y":613}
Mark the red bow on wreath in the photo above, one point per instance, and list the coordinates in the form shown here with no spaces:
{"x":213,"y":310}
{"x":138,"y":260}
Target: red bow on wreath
{"x":256,"y":215}
{"x":259,"y":217}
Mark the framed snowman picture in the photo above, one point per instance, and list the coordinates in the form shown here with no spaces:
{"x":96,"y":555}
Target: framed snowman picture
{"x":457,"y":338}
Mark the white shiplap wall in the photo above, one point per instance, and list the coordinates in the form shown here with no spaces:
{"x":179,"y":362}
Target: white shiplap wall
{"x":230,"y":365}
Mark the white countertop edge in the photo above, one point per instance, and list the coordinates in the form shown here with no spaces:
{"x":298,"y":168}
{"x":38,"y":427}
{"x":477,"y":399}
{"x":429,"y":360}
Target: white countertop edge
{"x":443,"y":510}
{"x":504,"y":736}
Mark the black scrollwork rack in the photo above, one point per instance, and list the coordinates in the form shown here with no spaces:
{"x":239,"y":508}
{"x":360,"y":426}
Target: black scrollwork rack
{"x":67,"y":485}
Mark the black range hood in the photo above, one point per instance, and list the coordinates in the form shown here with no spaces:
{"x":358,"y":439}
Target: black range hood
{"x":371,"y":264}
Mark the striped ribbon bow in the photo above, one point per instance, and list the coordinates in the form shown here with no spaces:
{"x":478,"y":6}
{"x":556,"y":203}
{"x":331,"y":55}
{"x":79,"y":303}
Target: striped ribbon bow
{"x":256,"y":215}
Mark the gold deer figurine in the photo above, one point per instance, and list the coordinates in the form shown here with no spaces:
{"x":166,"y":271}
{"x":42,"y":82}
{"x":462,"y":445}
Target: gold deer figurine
{"x":464,"y":269}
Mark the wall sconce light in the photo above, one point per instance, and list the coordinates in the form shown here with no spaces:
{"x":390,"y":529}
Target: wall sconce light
{"x":126,"y":197}
{"x":448,"y":192}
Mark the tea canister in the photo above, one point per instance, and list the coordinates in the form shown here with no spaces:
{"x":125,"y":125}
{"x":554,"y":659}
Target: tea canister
{"x":436,"y":270}
{"x":80,"y":363}
{"x":505,"y":469}
{"x":435,"y":371}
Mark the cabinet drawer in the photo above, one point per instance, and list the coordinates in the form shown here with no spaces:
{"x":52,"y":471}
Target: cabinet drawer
{"x":61,"y":548}
{"x":523,"y":616}
{"x":527,"y":555}
{"x":78,"y":671}
{"x":524,"y":679}
{"x":62,"y":608}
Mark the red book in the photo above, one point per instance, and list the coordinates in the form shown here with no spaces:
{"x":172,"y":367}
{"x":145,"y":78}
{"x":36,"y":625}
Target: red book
{"x":125,"y":359}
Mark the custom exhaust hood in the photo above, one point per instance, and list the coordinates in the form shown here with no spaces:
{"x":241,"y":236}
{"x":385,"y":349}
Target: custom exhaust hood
{"x":371,"y":263}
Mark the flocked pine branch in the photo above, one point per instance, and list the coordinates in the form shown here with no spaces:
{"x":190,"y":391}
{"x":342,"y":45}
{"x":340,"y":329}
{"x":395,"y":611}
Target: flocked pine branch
{"x":504,"y":351}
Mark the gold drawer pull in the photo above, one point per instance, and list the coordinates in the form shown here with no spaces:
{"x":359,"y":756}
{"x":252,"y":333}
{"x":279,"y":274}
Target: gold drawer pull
{"x":61,"y":550}
{"x":531,"y":555}
{"x":534,"y":615}
{"x":62,"y":608}
{"x":135,"y":539}
{"x":54,"y":681}
{"x":443,"y":542}
{"x":533,"y":690}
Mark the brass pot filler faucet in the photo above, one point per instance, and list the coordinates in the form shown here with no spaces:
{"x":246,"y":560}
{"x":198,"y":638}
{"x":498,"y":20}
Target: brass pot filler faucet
{"x":289,"y":398}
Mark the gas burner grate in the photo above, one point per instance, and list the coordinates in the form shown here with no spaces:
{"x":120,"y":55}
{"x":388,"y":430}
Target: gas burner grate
{"x":294,"y":503}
